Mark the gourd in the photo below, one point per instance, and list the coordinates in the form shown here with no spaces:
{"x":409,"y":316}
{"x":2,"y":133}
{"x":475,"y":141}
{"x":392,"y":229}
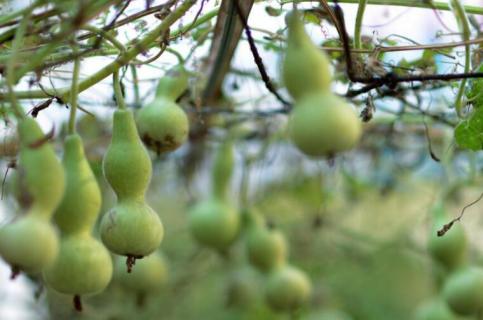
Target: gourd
{"x":266,"y":247}
{"x":163,"y":125}
{"x":305,"y":68}
{"x":450,"y":250}
{"x":323,"y":124}
{"x":435,"y":309}
{"x":83,"y":265}
{"x":243,"y":288}
{"x":131,"y":228}
{"x":287,"y":289}
{"x":214,"y":222}
{"x":30,"y":243}
{"x":150,"y":274}
{"x":463,"y":290}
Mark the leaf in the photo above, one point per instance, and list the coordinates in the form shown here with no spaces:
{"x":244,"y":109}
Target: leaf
{"x":469,"y":133}
{"x":273,"y":12}
{"x":475,"y":92}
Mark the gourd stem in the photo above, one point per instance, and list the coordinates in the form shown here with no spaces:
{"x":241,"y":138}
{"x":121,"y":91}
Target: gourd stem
{"x":118,"y":90}
{"x":135,"y":80}
{"x":16,"y":45}
{"x":74,"y":92}
{"x":357,"y":30}
{"x":462,"y":18}
{"x":176,"y":54}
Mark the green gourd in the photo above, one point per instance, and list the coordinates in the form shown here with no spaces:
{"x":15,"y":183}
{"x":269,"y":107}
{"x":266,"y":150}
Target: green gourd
{"x":131,"y":228}
{"x":243,"y":288}
{"x":163,"y":125}
{"x":434,"y":309}
{"x":323,"y":124}
{"x":30,"y":243}
{"x":451,"y":249}
{"x":83,"y":265}
{"x":287,"y":289}
{"x":266,"y":248}
{"x":305,"y":67}
{"x":150,"y":274}
{"x":214,"y":222}
{"x":463,"y":290}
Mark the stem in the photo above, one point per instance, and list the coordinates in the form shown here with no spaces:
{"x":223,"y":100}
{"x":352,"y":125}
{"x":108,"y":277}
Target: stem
{"x":117,"y":90}
{"x":135,"y":80}
{"x":462,"y":18}
{"x":357,"y":31}
{"x":145,"y":43}
{"x":11,"y":65}
{"x":404,"y":3}
{"x":106,"y":36}
{"x":74,"y":92}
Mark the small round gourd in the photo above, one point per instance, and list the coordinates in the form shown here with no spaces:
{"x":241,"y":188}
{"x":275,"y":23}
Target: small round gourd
{"x":305,"y":69}
{"x":287,"y":289}
{"x":243,"y":288}
{"x":83,"y":266}
{"x":266,"y":248}
{"x":323,"y":124}
{"x":463,"y":290}
{"x":214,"y":223}
{"x":163,"y":125}
{"x":131,"y":228}
{"x":451,"y":249}
{"x":150,"y":274}
{"x":29,"y":244}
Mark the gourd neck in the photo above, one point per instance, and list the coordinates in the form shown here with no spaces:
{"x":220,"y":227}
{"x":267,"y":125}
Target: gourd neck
{"x":173,"y":84}
{"x":124,"y":127}
{"x":296,"y":30}
{"x":222,"y":170}
{"x":29,"y":132}
{"x":73,"y":149}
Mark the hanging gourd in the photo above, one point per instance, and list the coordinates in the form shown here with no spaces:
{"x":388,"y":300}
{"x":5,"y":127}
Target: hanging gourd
{"x":215,"y":222}
{"x":266,"y":246}
{"x":131,"y":228}
{"x":83,"y":265}
{"x":163,"y":125}
{"x":30,"y":243}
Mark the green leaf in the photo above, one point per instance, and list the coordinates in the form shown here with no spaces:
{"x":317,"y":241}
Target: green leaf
{"x":469,"y":133}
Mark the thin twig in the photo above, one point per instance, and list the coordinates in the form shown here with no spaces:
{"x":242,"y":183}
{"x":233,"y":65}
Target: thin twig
{"x":448,"y":226}
{"x":257,"y":58}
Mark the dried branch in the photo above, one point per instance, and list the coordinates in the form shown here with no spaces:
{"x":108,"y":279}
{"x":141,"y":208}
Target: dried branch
{"x":257,"y":58}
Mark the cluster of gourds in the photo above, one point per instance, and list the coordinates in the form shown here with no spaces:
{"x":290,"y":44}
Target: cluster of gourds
{"x":461,"y":291}
{"x":287,"y":288}
{"x":321,"y":123}
{"x":216,"y":224}
{"x":76,"y":263}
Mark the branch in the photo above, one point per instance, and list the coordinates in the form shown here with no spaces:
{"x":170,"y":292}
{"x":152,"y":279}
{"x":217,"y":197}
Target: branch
{"x":257,"y":58}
